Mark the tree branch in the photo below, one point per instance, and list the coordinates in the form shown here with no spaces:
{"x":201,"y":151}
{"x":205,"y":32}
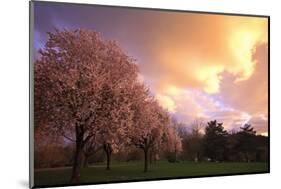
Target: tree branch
{"x":72,"y":140}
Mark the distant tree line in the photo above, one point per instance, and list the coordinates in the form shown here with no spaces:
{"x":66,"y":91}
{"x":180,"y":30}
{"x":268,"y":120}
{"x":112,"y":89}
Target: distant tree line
{"x":216,"y":144}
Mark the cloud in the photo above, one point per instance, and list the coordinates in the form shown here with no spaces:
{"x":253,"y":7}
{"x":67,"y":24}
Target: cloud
{"x":211,"y":67}
{"x":250,"y":95}
{"x":166,"y":102}
{"x":188,"y":105}
{"x":260,"y":123}
{"x":232,"y":119}
{"x":194,"y":50}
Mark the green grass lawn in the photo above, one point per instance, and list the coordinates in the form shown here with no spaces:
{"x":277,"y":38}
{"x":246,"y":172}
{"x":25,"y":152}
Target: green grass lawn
{"x":134,"y":171}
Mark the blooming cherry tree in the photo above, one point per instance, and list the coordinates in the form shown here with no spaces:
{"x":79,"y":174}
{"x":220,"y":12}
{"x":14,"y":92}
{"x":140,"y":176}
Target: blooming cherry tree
{"x":77,"y":78}
{"x":149,"y":122}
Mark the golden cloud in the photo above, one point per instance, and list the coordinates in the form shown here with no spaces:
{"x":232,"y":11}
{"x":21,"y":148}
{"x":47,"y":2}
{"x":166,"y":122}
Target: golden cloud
{"x":208,"y":66}
{"x":166,"y":102}
{"x":195,"y":50}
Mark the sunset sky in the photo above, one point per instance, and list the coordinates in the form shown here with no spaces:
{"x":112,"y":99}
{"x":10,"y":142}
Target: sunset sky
{"x":197,"y":65}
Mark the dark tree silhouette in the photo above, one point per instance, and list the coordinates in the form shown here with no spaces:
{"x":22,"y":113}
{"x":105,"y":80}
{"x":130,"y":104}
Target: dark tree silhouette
{"x":214,"y":141}
{"x":246,"y":142}
{"x":248,"y":129}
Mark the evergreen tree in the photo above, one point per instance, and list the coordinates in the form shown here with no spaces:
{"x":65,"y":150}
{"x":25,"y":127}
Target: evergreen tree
{"x":214,"y":141}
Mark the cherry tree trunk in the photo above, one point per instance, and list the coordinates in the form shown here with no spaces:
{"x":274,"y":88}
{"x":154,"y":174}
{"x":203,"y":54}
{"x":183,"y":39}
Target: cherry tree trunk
{"x":108,"y":160}
{"x":145,"y":160}
{"x":175,"y":154}
{"x":78,"y":157}
{"x":108,"y":152}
